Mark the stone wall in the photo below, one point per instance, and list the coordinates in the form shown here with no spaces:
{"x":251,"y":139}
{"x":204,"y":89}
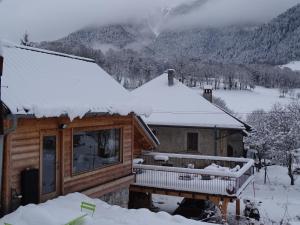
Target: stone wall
{"x":174,"y":140}
{"x":120,"y":198}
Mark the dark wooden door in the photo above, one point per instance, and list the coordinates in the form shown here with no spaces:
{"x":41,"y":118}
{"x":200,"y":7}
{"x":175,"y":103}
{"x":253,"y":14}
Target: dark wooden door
{"x":192,"y":142}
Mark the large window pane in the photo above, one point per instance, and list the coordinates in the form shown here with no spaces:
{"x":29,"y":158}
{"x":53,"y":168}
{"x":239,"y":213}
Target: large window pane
{"x":95,"y":149}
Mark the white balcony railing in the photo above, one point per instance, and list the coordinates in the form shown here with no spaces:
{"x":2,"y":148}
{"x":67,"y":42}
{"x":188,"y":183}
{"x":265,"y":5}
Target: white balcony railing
{"x":182,"y":172}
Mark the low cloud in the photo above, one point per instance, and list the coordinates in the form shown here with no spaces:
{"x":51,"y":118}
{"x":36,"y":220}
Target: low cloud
{"x":216,"y":13}
{"x":53,"y":19}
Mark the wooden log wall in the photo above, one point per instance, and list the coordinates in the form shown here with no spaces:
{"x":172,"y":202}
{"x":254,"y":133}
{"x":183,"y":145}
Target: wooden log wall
{"x":23,"y":149}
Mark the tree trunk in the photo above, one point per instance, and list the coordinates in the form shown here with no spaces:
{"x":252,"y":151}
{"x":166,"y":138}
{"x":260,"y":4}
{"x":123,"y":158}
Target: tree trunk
{"x":290,"y":170}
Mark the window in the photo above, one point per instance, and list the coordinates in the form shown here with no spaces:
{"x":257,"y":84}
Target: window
{"x":49,"y":164}
{"x":95,"y":149}
{"x":192,"y":142}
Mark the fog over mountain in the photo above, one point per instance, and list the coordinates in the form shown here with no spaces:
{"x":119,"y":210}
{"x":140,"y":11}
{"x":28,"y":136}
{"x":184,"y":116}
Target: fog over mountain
{"x":217,"y":13}
{"x":136,"y":51}
{"x":52,"y":19}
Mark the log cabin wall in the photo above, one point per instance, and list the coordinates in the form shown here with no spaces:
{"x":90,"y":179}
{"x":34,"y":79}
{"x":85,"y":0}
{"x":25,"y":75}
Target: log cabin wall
{"x":23,"y":150}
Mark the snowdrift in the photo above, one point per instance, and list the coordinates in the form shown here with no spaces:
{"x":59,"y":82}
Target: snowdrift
{"x":65,"y":208}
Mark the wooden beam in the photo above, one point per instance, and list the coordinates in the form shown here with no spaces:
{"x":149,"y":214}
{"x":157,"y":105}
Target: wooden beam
{"x":238,"y":208}
{"x":187,"y":194}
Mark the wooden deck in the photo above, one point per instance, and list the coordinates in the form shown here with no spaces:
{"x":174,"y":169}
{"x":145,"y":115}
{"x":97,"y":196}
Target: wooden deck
{"x":187,"y":176}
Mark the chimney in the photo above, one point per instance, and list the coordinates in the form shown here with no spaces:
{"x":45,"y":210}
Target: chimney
{"x":207,"y":92}
{"x":171,"y":74}
{"x":1,"y":64}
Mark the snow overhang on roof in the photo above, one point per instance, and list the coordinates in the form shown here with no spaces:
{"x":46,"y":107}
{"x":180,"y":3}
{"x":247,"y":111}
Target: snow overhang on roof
{"x":178,"y":105}
{"x":50,"y":84}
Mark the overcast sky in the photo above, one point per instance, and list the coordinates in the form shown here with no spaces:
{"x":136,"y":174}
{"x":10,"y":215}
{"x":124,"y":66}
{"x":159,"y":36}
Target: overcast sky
{"x":228,"y":12}
{"x":52,"y":19}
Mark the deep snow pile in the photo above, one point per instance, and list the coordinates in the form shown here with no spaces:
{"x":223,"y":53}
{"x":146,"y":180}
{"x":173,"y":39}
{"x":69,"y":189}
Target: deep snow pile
{"x":63,"y":209}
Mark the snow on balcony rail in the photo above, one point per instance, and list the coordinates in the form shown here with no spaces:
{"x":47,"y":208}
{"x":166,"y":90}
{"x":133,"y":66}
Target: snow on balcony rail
{"x":248,"y":164}
{"x":203,"y":157}
{"x":211,"y":181}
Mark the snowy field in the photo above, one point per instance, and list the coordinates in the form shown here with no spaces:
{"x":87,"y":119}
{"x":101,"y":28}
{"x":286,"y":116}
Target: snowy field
{"x":245,"y":101}
{"x":279,"y":200}
{"x":63,"y":209}
{"x":295,"y":65}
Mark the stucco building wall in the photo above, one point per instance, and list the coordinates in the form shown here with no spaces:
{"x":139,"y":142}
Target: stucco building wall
{"x":174,"y":140}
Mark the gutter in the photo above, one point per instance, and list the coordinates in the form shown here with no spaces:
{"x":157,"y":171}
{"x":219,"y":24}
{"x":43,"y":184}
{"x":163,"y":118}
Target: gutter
{"x":1,"y":127}
{"x":148,"y":131}
{"x":247,"y":126}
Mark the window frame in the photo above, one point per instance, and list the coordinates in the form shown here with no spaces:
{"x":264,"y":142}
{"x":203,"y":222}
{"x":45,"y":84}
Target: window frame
{"x":86,"y":129}
{"x":46,"y":133}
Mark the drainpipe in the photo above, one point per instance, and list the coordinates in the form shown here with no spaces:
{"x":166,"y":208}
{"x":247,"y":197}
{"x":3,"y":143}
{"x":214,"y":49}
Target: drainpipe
{"x":1,"y":127}
{"x":216,"y":139}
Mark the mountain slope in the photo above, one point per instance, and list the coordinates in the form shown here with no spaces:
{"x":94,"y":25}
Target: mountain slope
{"x":276,"y":42}
{"x":116,"y":36}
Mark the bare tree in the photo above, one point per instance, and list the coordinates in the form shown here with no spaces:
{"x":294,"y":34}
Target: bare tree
{"x":25,"y":40}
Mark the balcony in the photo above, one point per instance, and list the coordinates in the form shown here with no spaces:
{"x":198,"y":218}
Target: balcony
{"x":213,"y":175}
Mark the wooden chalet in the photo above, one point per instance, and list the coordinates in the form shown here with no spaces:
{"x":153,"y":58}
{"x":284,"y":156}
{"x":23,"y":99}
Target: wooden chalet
{"x":68,"y":127}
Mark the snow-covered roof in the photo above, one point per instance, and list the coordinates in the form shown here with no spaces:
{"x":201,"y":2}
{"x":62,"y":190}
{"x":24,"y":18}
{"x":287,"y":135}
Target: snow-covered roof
{"x":178,"y":105}
{"x":295,"y":66}
{"x":49,"y":84}
{"x":207,"y":86}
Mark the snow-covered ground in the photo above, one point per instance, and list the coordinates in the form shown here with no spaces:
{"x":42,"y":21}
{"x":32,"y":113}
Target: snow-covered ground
{"x":279,"y":200}
{"x":245,"y":101}
{"x":63,"y":209}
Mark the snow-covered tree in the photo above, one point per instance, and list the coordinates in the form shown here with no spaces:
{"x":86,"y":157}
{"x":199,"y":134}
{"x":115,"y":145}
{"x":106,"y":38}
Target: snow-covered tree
{"x":276,"y":134}
{"x":259,"y":138}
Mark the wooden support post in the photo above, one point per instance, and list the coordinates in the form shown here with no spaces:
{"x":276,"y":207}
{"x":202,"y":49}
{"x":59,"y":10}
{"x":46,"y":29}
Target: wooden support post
{"x":223,"y":207}
{"x":237,"y":208}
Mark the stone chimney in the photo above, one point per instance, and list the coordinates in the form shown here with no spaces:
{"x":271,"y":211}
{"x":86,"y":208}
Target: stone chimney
{"x":207,"y":92}
{"x":1,"y":64}
{"x":171,"y":75}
